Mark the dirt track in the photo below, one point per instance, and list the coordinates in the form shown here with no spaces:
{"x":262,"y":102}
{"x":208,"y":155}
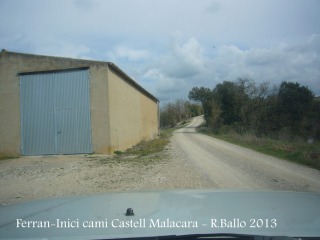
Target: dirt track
{"x":191,"y":161}
{"x":30,"y":178}
{"x":230,"y":166}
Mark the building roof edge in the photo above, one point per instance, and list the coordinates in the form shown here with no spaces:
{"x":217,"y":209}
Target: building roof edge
{"x":111,"y":65}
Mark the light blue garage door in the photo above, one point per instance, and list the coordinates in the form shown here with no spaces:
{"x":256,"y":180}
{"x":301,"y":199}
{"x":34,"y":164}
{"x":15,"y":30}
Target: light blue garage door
{"x":55,"y":113}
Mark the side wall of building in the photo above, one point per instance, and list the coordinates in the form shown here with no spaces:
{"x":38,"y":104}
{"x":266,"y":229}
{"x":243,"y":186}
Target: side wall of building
{"x":133,"y":115}
{"x":9,"y":106}
{"x":13,"y":63}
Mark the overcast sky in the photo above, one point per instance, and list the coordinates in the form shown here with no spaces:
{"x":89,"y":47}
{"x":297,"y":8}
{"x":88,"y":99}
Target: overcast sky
{"x":170,"y":46}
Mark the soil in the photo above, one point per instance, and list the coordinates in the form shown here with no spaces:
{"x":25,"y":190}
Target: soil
{"x":41,"y":177}
{"x":190,"y":161}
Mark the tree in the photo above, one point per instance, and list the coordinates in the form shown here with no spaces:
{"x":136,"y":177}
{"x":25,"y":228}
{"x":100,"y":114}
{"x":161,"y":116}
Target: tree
{"x":245,"y":106}
{"x":253,"y":104}
{"x":203,"y":95}
{"x":294,"y":101}
{"x":229,"y":97}
{"x":174,"y":112}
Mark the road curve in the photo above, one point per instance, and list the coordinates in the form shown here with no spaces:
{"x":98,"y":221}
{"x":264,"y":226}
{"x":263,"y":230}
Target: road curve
{"x":229,"y":166}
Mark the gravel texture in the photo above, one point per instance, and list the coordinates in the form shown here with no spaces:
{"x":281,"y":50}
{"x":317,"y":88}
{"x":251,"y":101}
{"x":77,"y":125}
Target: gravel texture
{"x":40,"y":177}
{"x":190,"y":161}
{"x":229,"y":166}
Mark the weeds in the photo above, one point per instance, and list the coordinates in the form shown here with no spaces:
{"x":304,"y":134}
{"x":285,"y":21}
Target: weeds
{"x":145,"y":153}
{"x":118,"y":152}
{"x":4,"y":157}
{"x":152,"y":147}
{"x":295,"y":151}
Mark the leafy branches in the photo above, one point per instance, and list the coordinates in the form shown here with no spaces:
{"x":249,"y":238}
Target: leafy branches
{"x":248,"y":107}
{"x":174,"y":112}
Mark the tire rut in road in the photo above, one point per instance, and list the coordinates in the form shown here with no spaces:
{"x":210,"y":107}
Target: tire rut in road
{"x":233,"y":167}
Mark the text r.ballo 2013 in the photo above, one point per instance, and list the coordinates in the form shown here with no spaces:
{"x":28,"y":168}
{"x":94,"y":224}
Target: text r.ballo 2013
{"x":221,"y":223}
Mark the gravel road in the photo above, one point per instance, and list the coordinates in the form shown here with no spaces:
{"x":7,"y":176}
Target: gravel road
{"x":229,"y":166}
{"x":40,"y":177}
{"x":191,"y":161}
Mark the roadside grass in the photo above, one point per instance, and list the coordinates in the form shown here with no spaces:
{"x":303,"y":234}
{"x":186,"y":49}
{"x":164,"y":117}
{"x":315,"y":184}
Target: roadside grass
{"x":5,"y":157}
{"x":157,"y":145}
{"x":145,"y":148}
{"x":145,"y":153}
{"x":296,"y":151}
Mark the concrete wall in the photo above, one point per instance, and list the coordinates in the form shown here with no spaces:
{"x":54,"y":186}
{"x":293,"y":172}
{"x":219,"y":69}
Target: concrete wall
{"x":121,"y":115}
{"x":133,"y":115}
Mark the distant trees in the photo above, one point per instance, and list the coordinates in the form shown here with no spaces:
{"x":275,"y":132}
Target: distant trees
{"x":246,"y":107}
{"x":204,"y":96}
{"x":174,"y":112}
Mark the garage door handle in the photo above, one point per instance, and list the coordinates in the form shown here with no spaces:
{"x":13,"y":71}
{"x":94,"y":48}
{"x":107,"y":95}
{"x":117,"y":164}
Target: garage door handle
{"x":59,"y":132}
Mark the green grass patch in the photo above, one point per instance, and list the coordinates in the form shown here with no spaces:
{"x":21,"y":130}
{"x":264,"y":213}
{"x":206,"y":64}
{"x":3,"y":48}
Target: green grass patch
{"x":5,"y":157}
{"x":118,"y":152}
{"x":153,"y":146}
{"x":145,"y":153}
{"x":296,"y":151}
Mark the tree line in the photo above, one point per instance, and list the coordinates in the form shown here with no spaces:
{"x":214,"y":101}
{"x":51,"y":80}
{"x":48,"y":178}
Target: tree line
{"x":247,"y":107}
{"x":178,"y":111}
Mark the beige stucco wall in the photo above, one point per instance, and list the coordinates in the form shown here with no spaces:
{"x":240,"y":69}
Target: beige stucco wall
{"x":149,"y":118}
{"x":121,"y":115}
{"x":99,"y":109}
{"x":9,"y":107}
{"x":133,"y":115}
{"x":12,"y":63}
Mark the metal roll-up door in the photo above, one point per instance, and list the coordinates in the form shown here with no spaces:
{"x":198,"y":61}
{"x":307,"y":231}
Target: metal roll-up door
{"x":55,"y":113}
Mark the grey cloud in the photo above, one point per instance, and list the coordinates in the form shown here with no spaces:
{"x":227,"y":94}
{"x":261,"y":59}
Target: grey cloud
{"x":275,"y":64}
{"x":213,"y":7}
{"x":183,"y":60}
{"x":131,"y":54}
{"x":65,"y":49}
{"x":265,"y":40}
{"x":175,"y":76}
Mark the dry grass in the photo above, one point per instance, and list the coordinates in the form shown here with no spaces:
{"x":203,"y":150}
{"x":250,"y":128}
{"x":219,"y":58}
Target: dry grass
{"x":145,"y":153}
{"x":151,"y":147}
{"x":295,"y":151}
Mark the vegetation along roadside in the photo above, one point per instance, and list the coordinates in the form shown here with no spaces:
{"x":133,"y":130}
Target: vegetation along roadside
{"x":282,"y":121}
{"x":296,"y":151}
{"x":146,"y":153}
